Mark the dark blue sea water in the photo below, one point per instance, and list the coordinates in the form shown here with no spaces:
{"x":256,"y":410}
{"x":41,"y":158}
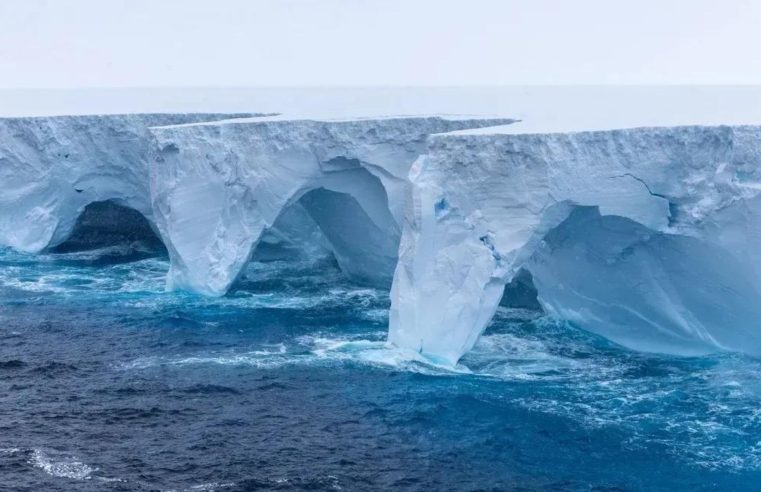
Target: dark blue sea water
{"x":108,"y":383}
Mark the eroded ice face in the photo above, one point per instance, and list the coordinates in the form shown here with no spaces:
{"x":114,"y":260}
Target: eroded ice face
{"x":645,"y":236}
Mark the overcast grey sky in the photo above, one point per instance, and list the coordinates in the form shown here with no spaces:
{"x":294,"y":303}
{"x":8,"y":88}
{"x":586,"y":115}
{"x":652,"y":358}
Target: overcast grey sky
{"x":128,"y":43}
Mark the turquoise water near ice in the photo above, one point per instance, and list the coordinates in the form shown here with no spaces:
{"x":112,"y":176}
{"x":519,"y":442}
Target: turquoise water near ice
{"x":109,"y":383}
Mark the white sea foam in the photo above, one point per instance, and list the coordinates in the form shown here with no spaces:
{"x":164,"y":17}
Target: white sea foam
{"x":60,"y":465}
{"x":310,"y":350}
{"x":271,"y":357}
{"x":63,"y":467}
{"x":209,"y":487}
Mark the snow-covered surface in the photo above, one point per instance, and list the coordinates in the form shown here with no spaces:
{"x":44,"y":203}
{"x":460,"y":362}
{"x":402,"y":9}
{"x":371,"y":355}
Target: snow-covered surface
{"x":218,"y":187}
{"x":671,"y":266}
{"x":279,"y":117}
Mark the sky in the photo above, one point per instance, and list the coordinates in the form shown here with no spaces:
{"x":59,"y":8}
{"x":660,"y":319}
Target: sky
{"x":260,"y":43}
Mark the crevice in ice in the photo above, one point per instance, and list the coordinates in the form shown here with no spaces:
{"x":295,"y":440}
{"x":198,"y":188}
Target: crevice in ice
{"x":673,"y":213}
{"x":104,"y":224}
{"x":644,"y":183}
{"x":486,"y":240}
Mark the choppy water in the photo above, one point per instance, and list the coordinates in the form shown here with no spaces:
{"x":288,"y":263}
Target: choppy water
{"x":108,"y":383}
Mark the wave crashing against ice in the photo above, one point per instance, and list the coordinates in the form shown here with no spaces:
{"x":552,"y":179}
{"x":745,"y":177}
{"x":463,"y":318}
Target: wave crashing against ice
{"x":645,"y":236}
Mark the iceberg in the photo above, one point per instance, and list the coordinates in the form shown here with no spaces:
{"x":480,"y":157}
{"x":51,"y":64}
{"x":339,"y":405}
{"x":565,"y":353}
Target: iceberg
{"x":646,"y":236}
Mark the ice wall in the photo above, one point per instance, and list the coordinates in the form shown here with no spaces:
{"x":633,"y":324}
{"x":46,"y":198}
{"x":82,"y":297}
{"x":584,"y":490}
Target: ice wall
{"x":218,"y":187}
{"x":665,"y":261}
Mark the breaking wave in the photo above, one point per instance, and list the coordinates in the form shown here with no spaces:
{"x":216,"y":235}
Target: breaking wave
{"x":61,"y":466}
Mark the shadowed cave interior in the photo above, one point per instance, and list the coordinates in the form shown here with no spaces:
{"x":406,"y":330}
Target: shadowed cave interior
{"x":106,"y":224}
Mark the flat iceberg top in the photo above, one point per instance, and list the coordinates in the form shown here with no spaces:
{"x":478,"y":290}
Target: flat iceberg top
{"x":144,"y":119}
{"x":323,"y":133}
{"x":285,"y":118}
{"x":521,"y":129}
{"x":541,"y":109}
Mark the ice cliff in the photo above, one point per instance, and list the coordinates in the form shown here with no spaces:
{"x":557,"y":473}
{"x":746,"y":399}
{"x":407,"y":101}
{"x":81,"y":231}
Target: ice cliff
{"x":218,"y":187}
{"x":649,"y":237}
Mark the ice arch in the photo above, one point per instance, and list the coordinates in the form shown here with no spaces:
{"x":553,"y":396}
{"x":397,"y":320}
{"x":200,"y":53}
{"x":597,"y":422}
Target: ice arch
{"x":350,"y":212}
{"x":350,"y":207}
{"x":476,"y":218}
{"x":218,"y":187}
{"x":51,"y":168}
{"x":325,"y":224}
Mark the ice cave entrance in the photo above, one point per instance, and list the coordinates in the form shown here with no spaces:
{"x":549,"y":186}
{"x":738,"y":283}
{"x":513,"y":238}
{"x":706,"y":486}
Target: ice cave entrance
{"x":107,"y":224}
{"x":331,"y":229}
{"x":521,"y":293}
{"x":643,"y":289}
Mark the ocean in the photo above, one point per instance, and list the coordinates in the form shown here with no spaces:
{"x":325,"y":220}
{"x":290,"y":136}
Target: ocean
{"x":107,"y":382}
